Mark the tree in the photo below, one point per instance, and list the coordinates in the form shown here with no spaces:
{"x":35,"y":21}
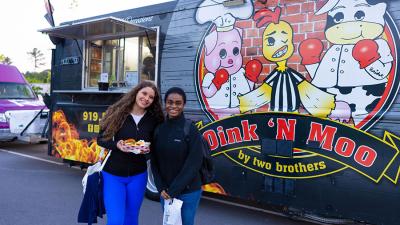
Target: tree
{"x":5,"y":60}
{"x":36,"y":77}
{"x":37,"y":57}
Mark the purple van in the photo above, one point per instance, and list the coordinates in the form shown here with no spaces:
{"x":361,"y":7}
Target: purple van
{"x":18,"y":105}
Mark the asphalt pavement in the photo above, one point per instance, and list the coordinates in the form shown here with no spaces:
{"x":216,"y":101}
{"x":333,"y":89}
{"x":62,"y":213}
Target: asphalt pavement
{"x":36,"y":189}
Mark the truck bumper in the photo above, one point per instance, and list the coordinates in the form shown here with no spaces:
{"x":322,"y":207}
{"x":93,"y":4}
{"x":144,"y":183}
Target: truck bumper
{"x":6,"y":135}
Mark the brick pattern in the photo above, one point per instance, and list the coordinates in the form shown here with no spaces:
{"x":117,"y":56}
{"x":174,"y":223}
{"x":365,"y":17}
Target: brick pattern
{"x":300,"y":14}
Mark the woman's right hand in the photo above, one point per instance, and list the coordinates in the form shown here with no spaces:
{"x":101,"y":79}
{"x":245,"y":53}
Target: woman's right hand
{"x":165,"y":195}
{"x":123,"y":147}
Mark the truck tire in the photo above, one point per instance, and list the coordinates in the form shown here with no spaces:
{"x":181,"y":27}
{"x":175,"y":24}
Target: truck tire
{"x":151,"y":189}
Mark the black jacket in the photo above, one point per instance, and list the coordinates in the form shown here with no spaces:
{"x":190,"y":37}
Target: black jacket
{"x":175,"y":161}
{"x":128,"y":164}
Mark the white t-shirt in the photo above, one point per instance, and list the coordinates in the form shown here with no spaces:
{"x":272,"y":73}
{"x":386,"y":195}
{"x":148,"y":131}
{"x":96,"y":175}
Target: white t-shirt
{"x":137,"y":118}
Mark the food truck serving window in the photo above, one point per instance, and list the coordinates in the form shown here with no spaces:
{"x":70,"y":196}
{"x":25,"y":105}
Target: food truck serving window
{"x":126,"y":60}
{"x":122,"y":52}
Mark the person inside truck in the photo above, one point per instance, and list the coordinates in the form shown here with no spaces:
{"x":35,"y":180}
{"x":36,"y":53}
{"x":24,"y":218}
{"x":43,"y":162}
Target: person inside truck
{"x":148,"y":68}
{"x":131,"y":119}
{"x":177,"y":156}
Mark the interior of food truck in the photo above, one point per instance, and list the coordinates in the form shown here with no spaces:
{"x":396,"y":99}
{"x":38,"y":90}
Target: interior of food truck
{"x":126,"y":60}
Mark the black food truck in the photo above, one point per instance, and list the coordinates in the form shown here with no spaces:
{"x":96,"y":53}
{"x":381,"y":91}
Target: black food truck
{"x":297,"y":99}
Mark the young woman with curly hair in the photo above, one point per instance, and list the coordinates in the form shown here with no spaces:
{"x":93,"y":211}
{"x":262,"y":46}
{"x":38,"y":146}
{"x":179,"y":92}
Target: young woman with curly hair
{"x":134,"y":116}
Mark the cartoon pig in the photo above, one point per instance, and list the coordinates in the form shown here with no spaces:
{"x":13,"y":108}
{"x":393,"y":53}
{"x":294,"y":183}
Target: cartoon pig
{"x":226,"y":79}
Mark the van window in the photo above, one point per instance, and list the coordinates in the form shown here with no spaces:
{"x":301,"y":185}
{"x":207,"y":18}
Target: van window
{"x":16,"y":91}
{"x":126,"y":60}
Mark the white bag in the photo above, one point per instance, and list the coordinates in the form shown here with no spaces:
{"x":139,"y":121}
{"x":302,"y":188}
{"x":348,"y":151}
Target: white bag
{"x":172,"y":212}
{"x":97,"y":167}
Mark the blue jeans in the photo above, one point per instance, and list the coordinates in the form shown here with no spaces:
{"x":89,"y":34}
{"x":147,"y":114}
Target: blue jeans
{"x":190,"y":204}
{"x":123,"y":197}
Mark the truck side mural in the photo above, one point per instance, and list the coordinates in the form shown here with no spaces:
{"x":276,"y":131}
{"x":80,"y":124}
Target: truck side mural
{"x":297,"y":99}
{"x":339,"y":94}
{"x":293,"y":126}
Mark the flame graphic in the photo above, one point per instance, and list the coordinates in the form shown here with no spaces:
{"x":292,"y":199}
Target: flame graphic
{"x":67,"y":144}
{"x":214,"y":188}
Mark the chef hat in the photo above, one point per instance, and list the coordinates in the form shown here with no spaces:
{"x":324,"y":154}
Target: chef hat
{"x":223,"y":17}
{"x":327,"y":7}
{"x":373,"y":13}
{"x":225,"y":22}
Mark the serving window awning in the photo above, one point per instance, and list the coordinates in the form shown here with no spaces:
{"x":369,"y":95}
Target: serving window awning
{"x":98,"y":29}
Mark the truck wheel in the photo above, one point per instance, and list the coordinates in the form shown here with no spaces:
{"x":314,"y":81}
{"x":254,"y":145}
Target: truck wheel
{"x":151,"y":190}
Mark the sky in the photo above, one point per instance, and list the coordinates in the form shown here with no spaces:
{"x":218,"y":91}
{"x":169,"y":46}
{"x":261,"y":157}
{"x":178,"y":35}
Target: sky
{"x":21,"y":20}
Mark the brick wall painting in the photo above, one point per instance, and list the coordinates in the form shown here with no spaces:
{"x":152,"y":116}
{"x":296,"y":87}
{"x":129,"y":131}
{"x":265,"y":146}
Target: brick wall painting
{"x":333,"y":59}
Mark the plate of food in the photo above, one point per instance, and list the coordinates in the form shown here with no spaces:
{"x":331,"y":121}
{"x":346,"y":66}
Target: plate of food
{"x":138,"y":147}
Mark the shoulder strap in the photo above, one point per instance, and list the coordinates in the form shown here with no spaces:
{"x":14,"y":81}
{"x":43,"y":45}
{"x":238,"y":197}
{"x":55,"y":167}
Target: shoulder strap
{"x":186,"y":128}
{"x":102,"y":155}
{"x":105,"y":160}
{"x":156,"y":131}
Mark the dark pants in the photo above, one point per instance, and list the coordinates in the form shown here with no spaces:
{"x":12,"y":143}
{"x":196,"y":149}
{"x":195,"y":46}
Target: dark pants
{"x":190,"y":204}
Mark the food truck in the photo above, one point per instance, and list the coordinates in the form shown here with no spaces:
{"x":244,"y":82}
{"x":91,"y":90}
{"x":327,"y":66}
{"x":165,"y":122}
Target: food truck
{"x":298,"y":100}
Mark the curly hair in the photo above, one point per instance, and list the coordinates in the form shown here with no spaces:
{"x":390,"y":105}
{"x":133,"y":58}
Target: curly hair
{"x":117,"y":113}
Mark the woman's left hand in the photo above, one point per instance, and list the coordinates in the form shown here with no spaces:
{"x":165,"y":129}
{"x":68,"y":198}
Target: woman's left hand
{"x":165,"y":195}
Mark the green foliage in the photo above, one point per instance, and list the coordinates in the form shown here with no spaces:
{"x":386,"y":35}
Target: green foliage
{"x":37,"y":90}
{"x":38,"y":77}
{"x":5,"y":60}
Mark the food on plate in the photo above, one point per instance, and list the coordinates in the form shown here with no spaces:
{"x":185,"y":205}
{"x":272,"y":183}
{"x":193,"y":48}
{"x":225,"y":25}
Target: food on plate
{"x":132,"y":142}
{"x":139,"y":147}
{"x":140,"y":143}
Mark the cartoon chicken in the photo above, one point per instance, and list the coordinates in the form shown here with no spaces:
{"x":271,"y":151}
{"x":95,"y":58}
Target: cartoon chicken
{"x":284,"y":88}
{"x":225,"y":79}
{"x":356,"y":66}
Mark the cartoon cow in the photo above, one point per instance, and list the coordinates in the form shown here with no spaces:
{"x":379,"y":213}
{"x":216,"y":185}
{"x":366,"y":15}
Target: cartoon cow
{"x":225,"y":79}
{"x":356,"y":66}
